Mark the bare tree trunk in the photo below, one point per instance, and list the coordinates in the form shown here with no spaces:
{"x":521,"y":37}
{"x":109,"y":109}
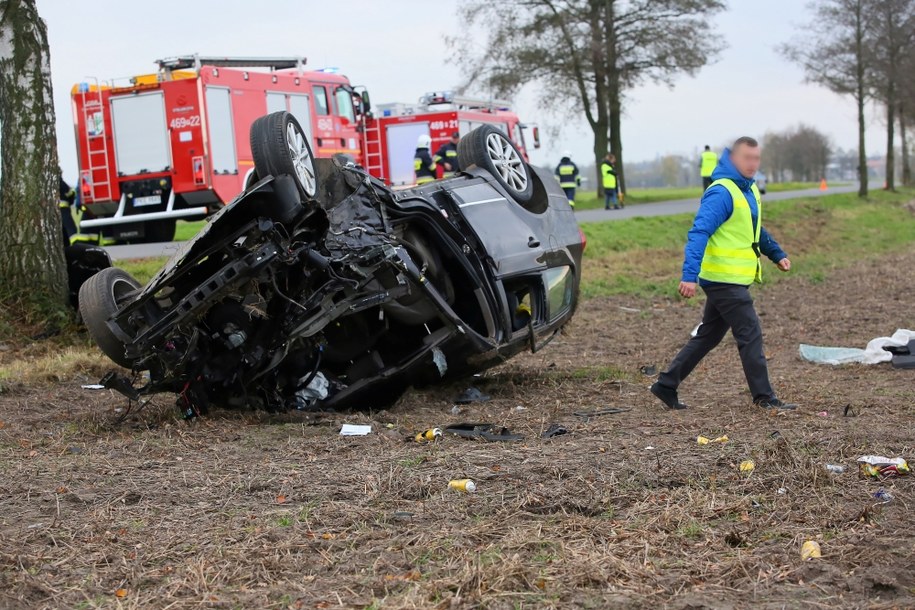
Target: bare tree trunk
{"x":860,"y":97}
{"x":616,"y":137}
{"x":32,"y":264}
{"x":614,"y":94}
{"x":906,"y":167}
{"x":890,"y":137}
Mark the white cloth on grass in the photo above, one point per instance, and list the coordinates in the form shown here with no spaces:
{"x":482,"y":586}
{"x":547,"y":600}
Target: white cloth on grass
{"x":872,"y":354}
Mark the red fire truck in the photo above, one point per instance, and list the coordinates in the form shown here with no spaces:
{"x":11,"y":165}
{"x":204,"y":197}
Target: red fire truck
{"x":392,"y":130}
{"x":174,"y":144}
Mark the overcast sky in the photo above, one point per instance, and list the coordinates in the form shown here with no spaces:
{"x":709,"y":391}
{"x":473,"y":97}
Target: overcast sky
{"x":400,"y":53}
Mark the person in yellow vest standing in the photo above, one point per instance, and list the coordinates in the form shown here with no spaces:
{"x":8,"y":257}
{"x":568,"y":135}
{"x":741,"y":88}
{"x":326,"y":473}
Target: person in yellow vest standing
{"x":610,"y":183}
{"x":707,"y":165}
{"x":722,"y":255}
{"x":567,"y":174}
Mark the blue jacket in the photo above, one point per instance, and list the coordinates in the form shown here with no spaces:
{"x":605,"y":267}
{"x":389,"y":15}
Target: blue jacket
{"x":715,"y":209}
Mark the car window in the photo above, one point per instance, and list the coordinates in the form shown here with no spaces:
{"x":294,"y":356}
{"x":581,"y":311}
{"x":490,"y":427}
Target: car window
{"x":321,"y":105}
{"x":345,"y":105}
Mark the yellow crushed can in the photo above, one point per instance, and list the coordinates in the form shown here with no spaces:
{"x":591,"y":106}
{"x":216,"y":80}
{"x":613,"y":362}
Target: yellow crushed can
{"x":433,"y":434}
{"x":810,"y":550}
{"x":464,"y":485}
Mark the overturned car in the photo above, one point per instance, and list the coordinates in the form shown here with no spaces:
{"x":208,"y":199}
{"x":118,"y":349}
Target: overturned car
{"x":320,"y":287}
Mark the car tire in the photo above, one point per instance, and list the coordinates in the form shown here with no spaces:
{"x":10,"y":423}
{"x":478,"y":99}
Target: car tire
{"x":490,"y":149}
{"x":159,"y":231}
{"x":99,"y":298}
{"x":279,"y":146}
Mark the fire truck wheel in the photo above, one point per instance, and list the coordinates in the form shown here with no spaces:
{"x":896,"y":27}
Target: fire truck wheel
{"x":159,"y":231}
{"x":488,"y":148}
{"x":99,"y":298}
{"x":279,"y":146}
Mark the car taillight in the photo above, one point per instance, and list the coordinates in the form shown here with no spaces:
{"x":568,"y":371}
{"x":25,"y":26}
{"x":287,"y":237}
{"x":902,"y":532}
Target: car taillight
{"x":85,"y":188}
{"x":199,"y":176}
{"x":584,"y":239}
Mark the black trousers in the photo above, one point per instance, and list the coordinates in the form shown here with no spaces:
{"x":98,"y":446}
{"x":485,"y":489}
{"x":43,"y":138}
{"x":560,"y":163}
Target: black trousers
{"x":729,"y":306}
{"x":706,"y":182}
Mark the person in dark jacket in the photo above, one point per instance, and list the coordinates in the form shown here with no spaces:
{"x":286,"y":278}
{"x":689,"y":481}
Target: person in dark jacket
{"x":66,"y":202}
{"x":447,"y":156}
{"x":567,"y":174}
{"x":423,"y":164}
{"x":722,"y":255}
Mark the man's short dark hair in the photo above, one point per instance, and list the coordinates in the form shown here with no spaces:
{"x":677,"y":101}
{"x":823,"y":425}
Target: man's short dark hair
{"x":707,"y":147}
{"x":745,"y":140}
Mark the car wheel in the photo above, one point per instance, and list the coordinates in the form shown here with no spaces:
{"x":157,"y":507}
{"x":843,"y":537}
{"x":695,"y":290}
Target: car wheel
{"x":490,"y":149}
{"x":279,"y":146}
{"x":100,"y":297}
{"x":159,"y":231}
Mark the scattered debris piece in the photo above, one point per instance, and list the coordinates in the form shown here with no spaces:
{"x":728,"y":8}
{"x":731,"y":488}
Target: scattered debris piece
{"x":464,"y":485}
{"x":488,"y":432}
{"x":747,"y":466}
{"x":775,"y":434}
{"x":355,"y":430}
{"x":403,"y":515}
{"x":630,"y":309}
{"x":649,"y":448}
{"x":610,"y":411}
{"x":520,"y":408}
{"x":455,"y":410}
{"x":431,"y":435}
{"x":781,"y":491}
{"x":734,"y":539}
{"x":471,"y":395}
{"x":649,"y":370}
{"x":555,"y":430}
{"x":875,"y":352}
{"x":882,"y":496}
{"x":835,"y":468}
{"x":879,"y":466}
{"x":702,"y":440}
{"x":120,"y":593}
{"x":850,"y":411}
{"x":823,"y":414}
{"x":93,"y":386}
{"x":317,"y":388}
{"x":810,"y":550}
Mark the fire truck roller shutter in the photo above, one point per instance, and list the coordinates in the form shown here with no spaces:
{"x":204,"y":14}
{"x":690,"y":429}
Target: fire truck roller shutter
{"x":401,"y":140}
{"x":140,"y":133}
{"x":222,"y":132}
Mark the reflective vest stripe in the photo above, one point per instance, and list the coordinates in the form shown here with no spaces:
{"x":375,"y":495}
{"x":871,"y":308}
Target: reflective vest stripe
{"x":709,"y":161}
{"x":730,"y":256}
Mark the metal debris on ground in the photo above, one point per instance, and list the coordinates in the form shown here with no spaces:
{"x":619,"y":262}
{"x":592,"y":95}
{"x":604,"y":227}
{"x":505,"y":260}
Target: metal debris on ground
{"x":702,"y":440}
{"x":610,"y":411}
{"x":878,"y":466}
{"x":487,"y":432}
{"x":882,"y":496}
{"x":93,"y":386}
{"x":835,"y":468}
{"x":555,"y":430}
{"x":464,"y":485}
{"x":649,"y":370}
{"x":810,"y":550}
{"x":355,"y":430}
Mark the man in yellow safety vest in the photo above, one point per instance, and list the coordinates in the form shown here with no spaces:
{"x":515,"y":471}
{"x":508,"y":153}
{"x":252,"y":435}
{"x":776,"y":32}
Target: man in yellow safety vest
{"x":610,"y":183}
{"x":707,"y":165}
{"x":722,"y":254}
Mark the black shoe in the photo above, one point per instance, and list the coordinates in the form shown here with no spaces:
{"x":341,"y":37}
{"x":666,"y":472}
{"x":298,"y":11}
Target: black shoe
{"x":667,"y":396}
{"x":775,"y":403}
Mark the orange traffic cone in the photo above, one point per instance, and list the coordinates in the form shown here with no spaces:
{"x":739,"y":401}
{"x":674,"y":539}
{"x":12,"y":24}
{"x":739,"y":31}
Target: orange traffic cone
{"x":823,"y":186}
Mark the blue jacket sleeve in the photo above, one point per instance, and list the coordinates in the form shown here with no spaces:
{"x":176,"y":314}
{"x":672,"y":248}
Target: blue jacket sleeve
{"x":770,"y":247}
{"x":715,"y":209}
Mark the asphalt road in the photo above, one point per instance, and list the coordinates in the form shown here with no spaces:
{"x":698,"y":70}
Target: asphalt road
{"x":661,"y":208}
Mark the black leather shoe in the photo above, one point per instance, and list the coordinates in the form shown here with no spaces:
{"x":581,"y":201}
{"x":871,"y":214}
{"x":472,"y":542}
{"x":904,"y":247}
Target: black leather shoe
{"x":667,"y":396}
{"x":775,"y":403}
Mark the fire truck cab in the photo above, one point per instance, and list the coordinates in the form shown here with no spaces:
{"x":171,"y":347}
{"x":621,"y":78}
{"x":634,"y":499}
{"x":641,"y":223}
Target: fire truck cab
{"x":392,"y":130}
{"x":174,"y":144}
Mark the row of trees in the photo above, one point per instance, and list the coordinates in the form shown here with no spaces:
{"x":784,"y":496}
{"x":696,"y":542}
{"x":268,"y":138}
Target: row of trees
{"x":584,"y":55}
{"x":865,"y":49}
{"x":800,"y":153}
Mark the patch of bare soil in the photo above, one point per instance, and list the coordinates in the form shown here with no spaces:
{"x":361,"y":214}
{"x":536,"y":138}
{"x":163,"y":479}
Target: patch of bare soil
{"x":256,"y":511}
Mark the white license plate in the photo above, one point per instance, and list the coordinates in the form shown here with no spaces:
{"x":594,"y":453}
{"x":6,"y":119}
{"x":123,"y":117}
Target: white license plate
{"x":151,"y":200}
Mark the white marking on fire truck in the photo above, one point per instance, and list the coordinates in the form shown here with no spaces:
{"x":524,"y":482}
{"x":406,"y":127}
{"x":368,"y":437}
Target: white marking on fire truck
{"x":185,"y":121}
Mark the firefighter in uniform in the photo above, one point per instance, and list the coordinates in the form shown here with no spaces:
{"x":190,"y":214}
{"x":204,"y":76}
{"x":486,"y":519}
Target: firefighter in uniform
{"x":447,"y":156}
{"x":567,"y":174}
{"x":722,"y":256}
{"x":423,"y":164}
{"x":67,"y":201}
{"x":707,"y":166}
{"x":610,"y":183}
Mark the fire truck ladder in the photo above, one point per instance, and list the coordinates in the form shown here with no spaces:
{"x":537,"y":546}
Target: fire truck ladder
{"x":195,"y":61}
{"x":97,"y":146}
{"x":371,"y":143}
